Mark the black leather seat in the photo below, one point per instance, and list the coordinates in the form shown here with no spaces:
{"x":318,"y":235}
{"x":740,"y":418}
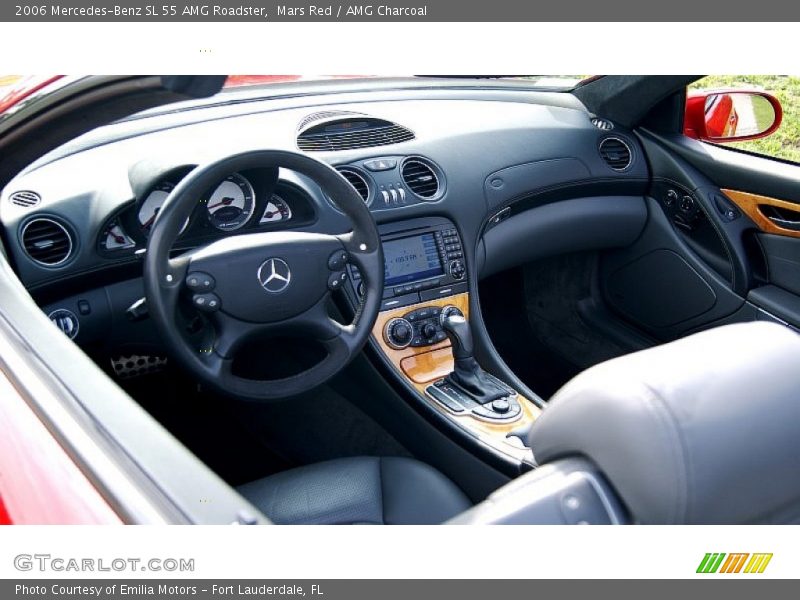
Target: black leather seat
{"x":360,"y":490}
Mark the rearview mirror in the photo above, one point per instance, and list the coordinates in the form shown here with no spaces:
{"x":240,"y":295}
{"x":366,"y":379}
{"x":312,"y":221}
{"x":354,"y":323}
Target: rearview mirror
{"x":731,"y":115}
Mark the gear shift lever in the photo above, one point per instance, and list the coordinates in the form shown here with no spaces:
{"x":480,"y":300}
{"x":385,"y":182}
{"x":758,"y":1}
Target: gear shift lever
{"x":457,"y":329}
{"x":467,"y":374}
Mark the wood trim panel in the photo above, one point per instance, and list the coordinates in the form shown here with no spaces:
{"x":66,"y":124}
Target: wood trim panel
{"x":751,"y":205}
{"x":420,"y":366}
{"x":428,"y":366}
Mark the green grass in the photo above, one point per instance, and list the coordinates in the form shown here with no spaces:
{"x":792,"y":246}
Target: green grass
{"x":784,"y":143}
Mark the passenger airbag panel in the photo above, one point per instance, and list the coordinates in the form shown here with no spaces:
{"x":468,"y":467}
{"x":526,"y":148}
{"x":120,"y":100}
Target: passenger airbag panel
{"x":559,"y":228}
{"x":514,"y":182}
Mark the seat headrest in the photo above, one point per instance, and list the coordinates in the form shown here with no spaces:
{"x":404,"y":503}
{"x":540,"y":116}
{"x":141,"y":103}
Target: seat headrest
{"x":705,"y":429}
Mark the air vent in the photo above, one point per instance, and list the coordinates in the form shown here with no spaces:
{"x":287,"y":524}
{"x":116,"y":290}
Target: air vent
{"x":603,"y":124}
{"x":352,"y":133}
{"x":357,"y":180}
{"x":420,"y":177}
{"x":47,"y":242}
{"x":616,"y":153}
{"x":25,"y":199}
{"x":325,"y":114}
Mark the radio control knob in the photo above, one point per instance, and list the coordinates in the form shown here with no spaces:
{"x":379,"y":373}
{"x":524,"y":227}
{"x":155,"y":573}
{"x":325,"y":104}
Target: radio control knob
{"x":398,"y":333}
{"x":457,"y":269}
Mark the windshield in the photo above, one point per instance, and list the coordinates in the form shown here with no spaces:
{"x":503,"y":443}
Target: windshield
{"x":550,"y":82}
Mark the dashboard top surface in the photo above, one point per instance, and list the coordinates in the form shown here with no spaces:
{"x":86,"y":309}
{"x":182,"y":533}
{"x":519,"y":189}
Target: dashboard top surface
{"x":487,"y":152}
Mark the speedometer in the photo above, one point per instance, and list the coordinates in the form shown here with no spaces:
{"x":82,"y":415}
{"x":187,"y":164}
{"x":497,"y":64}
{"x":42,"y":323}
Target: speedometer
{"x":232,"y":204}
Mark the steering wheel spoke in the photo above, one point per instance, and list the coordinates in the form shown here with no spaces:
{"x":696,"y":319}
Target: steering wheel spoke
{"x":230,"y":334}
{"x":318,"y":323}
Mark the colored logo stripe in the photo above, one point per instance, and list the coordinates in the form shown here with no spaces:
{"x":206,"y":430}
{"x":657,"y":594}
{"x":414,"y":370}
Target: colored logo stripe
{"x":734,"y":563}
{"x":758,"y":563}
{"x":713,"y":562}
{"x":710,"y":562}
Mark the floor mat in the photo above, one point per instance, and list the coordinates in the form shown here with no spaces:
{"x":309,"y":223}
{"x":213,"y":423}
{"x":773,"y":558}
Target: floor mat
{"x":553,"y":288}
{"x":244,"y":441}
{"x":320,"y":425}
{"x":503,"y":305}
{"x":207,"y":425}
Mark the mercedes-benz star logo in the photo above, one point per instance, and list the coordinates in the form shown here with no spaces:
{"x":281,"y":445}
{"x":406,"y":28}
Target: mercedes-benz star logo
{"x":274,"y":275}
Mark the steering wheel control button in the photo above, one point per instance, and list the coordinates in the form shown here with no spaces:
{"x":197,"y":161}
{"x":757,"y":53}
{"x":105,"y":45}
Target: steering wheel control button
{"x":671,"y":198}
{"x":398,"y":333}
{"x":200,"y":282}
{"x":336,"y":281}
{"x":338,"y":260}
{"x":206,"y":302}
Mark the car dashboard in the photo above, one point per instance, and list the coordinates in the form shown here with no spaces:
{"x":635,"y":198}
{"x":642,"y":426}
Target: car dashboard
{"x":438,"y":169}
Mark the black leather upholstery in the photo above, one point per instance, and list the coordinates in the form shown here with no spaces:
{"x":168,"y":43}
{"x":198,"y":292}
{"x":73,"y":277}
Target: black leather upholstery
{"x":702,"y":430}
{"x":366,"y":490}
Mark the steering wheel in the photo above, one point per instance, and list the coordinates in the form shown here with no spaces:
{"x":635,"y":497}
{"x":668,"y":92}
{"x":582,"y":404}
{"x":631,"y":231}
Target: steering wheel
{"x":262,"y":283}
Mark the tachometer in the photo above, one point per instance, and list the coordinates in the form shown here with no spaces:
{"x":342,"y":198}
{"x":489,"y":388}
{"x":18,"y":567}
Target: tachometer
{"x":232,"y":203}
{"x":276,"y":210}
{"x":148,"y":211}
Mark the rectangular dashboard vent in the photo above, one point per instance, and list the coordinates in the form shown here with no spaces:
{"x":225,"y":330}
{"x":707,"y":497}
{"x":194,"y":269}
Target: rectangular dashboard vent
{"x":351,"y":134}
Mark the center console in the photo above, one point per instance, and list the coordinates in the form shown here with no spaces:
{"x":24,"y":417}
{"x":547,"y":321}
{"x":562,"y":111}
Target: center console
{"x":424,"y":321}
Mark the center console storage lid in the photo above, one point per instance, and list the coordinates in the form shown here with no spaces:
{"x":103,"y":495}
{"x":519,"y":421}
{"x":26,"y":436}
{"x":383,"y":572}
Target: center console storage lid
{"x":567,"y":492}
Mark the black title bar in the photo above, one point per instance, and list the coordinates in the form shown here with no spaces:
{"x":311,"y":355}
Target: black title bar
{"x":401,"y":11}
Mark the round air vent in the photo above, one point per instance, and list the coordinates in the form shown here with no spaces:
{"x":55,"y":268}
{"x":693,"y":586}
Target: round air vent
{"x":420,"y":177}
{"x":616,"y":153}
{"x":47,"y":242}
{"x":25,"y":198}
{"x":357,"y":180}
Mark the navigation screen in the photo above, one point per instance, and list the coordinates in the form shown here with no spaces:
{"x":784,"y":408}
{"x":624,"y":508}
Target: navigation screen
{"x":410,"y":259}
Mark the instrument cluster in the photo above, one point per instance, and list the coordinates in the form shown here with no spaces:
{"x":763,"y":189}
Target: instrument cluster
{"x":242,"y":202}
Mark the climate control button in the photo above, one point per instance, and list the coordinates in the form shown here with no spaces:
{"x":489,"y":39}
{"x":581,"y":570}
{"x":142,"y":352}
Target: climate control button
{"x":447,"y":311}
{"x":429,"y":331}
{"x":398,"y":333}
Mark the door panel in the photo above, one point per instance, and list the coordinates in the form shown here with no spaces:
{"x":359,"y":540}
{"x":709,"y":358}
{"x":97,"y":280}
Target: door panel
{"x":691,"y":268}
{"x":662,"y":285}
{"x":783,"y":261}
{"x":752,"y":203}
